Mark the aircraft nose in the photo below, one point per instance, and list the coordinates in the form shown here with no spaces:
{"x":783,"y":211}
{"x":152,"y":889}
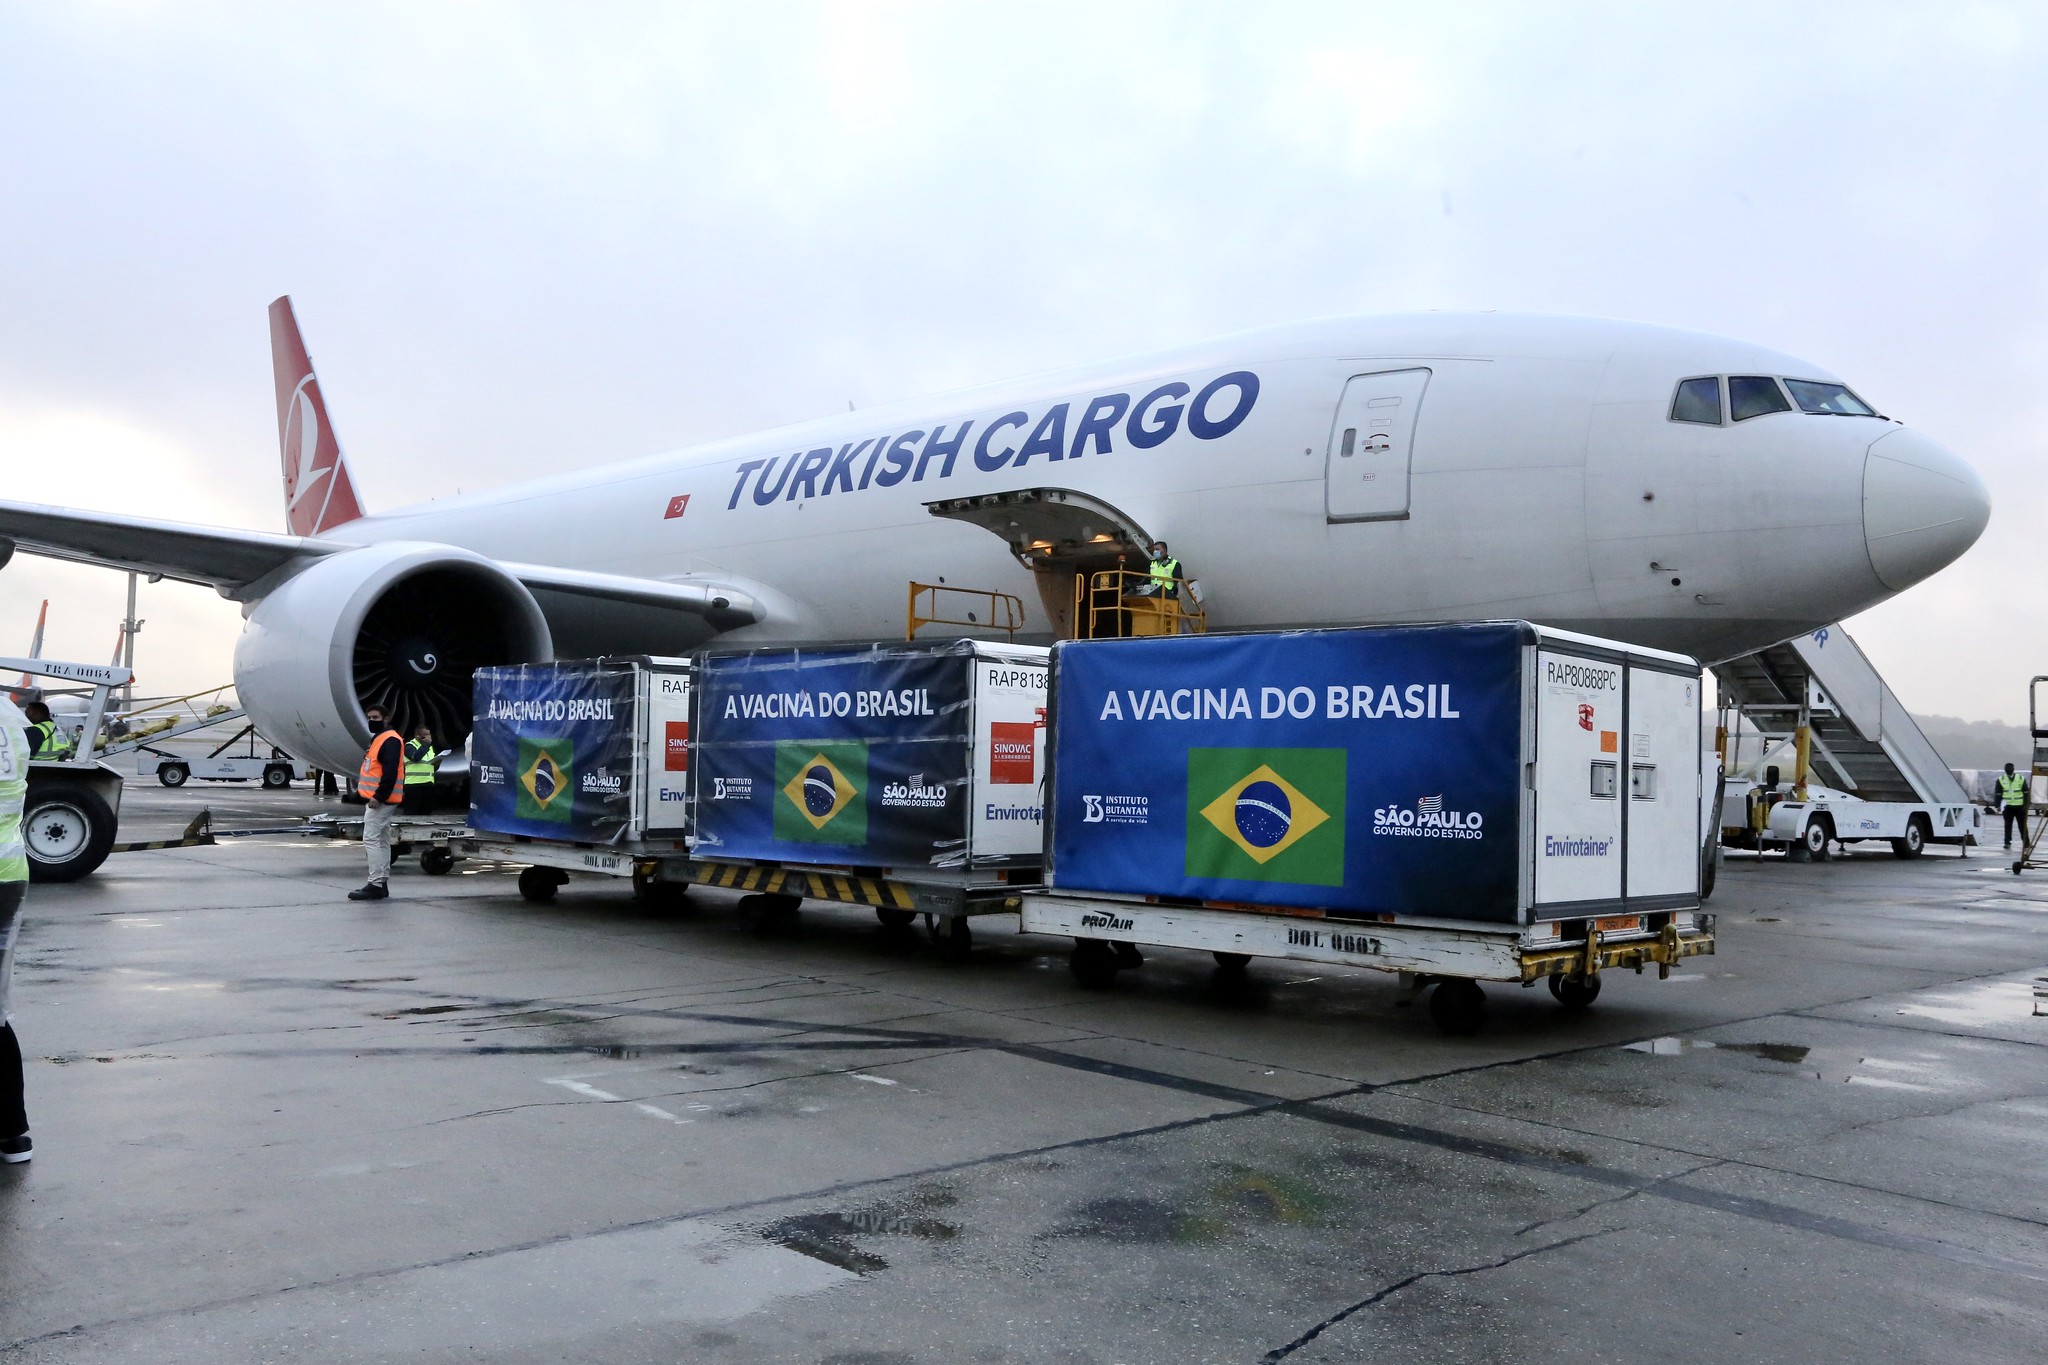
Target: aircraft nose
{"x":1922,"y":507}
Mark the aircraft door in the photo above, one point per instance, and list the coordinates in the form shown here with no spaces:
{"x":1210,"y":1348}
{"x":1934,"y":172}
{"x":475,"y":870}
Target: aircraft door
{"x":1365,"y":474}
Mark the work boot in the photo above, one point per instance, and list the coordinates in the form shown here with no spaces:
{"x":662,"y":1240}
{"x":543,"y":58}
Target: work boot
{"x":369,"y":891}
{"x":16,"y":1149}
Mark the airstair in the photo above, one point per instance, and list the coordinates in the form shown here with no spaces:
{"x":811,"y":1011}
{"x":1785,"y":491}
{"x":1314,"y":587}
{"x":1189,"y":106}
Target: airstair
{"x":1859,"y":737}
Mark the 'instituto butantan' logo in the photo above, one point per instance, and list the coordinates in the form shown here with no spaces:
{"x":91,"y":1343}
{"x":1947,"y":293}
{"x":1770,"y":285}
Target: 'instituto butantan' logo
{"x":823,"y":792}
{"x":546,"y":785}
{"x":1269,"y":815}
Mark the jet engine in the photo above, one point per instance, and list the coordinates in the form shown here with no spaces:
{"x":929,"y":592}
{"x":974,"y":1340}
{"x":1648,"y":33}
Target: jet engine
{"x":403,"y":625}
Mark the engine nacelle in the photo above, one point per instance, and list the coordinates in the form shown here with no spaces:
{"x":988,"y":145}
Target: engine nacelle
{"x":402,"y":624}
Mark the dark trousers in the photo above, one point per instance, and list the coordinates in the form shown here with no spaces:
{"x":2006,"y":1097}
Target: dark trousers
{"x":2015,"y":815}
{"x":419,"y":798}
{"x":13,"y":1115}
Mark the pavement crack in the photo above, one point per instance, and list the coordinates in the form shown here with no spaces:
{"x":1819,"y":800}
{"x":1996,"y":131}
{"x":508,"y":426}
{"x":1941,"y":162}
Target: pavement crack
{"x":1451,"y":1272}
{"x":1647,"y":1187}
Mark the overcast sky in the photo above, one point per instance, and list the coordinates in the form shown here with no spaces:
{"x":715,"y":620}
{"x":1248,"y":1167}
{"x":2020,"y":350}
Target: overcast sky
{"x":529,"y":238}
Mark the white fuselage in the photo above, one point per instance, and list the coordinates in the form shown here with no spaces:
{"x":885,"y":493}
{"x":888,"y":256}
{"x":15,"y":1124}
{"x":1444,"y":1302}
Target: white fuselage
{"x":1546,"y":480}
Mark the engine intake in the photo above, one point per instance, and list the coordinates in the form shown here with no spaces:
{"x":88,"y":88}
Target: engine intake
{"x":402,"y":625}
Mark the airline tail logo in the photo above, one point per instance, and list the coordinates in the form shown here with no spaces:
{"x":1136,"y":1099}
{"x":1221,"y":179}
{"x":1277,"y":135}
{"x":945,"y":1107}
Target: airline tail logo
{"x":1270,"y":815}
{"x":318,"y":492}
{"x":823,"y":791}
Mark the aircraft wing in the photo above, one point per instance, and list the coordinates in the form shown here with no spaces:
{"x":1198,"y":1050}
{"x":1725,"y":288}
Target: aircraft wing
{"x":215,"y":556}
{"x":228,"y":560}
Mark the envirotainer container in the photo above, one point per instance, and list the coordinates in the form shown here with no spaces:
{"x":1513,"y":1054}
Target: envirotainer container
{"x":1497,"y":772}
{"x":592,"y":751}
{"x":904,"y":757}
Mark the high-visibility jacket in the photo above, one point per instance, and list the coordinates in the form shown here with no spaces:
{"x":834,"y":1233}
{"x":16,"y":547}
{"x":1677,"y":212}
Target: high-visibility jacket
{"x":54,"y":743}
{"x":13,"y":792}
{"x":2012,"y":791}
{"x":370,"y":776}
{"x":420,"y":758}
{"x":1164,"y":572}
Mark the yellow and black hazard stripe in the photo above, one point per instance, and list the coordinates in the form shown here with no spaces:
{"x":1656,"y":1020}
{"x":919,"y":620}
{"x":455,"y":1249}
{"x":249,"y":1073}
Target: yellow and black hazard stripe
{"x":824,"y":886}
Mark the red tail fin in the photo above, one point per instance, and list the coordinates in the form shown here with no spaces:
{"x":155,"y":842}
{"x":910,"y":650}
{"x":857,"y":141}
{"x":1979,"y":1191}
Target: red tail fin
{"x":318,"y":493}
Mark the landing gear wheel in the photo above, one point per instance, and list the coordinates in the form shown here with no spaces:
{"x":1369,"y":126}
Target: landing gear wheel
{"x":1094,"y":963}
{"x":955,"y":938}
{"x":1458,"y":1006}
{"x":1575,"y":992}
{"x":437,"y":862}
{"x":277,"y":777}
{"x":769,"y":914}
{"x":895,"y":921}
{"x":541,"y":883}
{"x":174,"y":774}
{"x":1915,"y":842}
{"x":1233,"y":963}
{"x":67,"y":829}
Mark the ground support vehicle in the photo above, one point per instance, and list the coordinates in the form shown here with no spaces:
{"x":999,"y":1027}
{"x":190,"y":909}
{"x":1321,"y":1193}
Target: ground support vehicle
{"x":1837,"y":759}
{"x":1808,"y":828}
{"x":903,"y":776}
{"x":73,"y":807}
{"x":439,"y":840}
{"x":275,"y":770}
{"x":1490,"y":801}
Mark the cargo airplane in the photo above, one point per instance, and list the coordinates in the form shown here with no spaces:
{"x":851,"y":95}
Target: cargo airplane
{"x":1665,"y":487}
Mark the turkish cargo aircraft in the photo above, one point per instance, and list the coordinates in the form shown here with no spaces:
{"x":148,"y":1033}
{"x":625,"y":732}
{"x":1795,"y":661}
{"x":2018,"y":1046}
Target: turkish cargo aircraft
{"x":1668,"y":488}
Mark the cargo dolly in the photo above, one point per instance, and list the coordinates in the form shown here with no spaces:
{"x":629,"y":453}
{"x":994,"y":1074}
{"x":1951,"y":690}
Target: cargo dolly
{"x":1452,"y":957}
{"x":771,"y":892}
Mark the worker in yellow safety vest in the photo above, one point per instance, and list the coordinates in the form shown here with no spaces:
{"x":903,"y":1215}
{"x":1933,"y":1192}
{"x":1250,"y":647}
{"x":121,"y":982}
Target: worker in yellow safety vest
{"x":14,"y":752}
{"x":1163,"y":576}
{"x":379,"y":784}
{"x":420,"y":760}
{"x":46,"y":740}
{"x":2012,"y":803}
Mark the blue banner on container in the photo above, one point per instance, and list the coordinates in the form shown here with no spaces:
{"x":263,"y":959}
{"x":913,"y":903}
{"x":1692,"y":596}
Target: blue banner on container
{"x":552,"y":752}
{"x":848,"y":758}
{"x":1360,"y":771}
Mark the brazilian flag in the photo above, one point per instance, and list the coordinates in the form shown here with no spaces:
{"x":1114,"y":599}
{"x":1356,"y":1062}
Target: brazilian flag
{"x":546,"y":778}
{"x":822,"y":796}
{"x":1266,"y":815}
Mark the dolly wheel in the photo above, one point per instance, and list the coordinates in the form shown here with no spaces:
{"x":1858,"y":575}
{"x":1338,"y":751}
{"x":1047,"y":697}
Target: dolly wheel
{"x":541,"y":883}
{"x":1458,"y":1006}
{"x":955,"y":938}
{"x":437,"y":861}
{"x":1575,"y":992}
{"x":895,"y":921}
{"x":1094,"y":963}
{"x":769,"y":914}
{"x":1233,"y":963}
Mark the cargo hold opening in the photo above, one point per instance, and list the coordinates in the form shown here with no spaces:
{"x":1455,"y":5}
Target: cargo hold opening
{"x":1066,"y":539}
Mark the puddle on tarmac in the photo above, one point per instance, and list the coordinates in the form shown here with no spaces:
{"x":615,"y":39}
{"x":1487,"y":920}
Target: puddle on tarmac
{"x":1789,"y":1053}
{"x":1985,"y":1004}
{"x":1670,"y":1047}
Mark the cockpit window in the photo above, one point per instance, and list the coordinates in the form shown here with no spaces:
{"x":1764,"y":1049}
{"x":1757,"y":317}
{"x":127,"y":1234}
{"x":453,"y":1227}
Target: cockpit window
{"x":1815,"y":395}
{"x":1698,"y":400}
{"x":1754,"y":395}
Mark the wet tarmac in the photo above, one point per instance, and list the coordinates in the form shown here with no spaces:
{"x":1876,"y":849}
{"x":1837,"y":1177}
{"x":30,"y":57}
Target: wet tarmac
{"x":273,"y":1124}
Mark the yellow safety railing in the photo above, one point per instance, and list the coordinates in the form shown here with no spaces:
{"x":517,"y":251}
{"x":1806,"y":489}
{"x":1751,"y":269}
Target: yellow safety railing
{"x":1124,"y":603}
{"x":977,"y":608}
{"x":169,"y":714}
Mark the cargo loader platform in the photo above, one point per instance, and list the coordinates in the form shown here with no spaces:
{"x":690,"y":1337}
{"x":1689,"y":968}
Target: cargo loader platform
{"x":1452,"y":956}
